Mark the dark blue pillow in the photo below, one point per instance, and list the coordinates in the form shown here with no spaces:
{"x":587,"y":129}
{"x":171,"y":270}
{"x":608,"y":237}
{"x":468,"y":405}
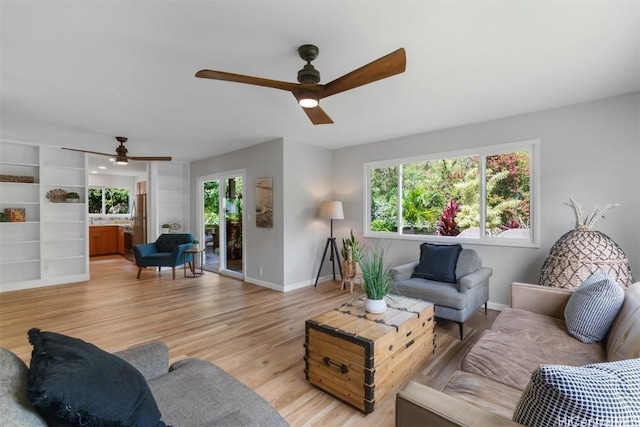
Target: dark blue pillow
{"x":438,"y":262}
{"x":77,"y":382}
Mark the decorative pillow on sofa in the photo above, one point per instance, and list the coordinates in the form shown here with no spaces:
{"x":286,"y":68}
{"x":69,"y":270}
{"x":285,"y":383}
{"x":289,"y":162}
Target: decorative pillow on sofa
{"x":77,"y":382}
{"x":438,"y":262}
{"x":602,"y":394}
{"x":593,"y":307}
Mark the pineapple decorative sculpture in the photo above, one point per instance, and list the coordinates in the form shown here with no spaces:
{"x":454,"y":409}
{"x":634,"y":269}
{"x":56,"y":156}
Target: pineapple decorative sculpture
{"x":582,"y":251}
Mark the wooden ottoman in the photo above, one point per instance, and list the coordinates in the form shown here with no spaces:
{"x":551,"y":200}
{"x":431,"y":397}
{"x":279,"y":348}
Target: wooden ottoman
{"x":362,"y":358}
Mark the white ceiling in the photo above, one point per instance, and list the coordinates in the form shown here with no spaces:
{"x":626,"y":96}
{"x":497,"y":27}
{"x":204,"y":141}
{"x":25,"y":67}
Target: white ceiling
{"x":79,"y":73}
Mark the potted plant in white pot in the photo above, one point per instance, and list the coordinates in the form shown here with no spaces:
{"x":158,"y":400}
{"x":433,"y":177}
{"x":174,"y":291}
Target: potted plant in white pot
{"x":376,"y":280}
{"x":73,"y":197}
{"x":166,"y":228}
{"x":196,"y":244}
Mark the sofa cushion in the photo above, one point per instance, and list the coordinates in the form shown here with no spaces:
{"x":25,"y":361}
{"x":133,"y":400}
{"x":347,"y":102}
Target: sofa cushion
{"x":483,"y":393}
{"x":187,"y":398}
{"x":593,"y":307}
{"x":438,"y":262}
{"x":15,"y":409}
{"x":510,"y":358}
{"x":597,"y":394}
{"x":623,"y":341}
{"x":440,"y":293}
{"x":84,"y":385}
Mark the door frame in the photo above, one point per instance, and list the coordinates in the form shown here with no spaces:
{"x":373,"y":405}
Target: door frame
{"x":222,"y":176}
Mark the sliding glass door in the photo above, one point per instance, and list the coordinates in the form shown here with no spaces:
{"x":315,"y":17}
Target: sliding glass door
{"x":222,"y":222}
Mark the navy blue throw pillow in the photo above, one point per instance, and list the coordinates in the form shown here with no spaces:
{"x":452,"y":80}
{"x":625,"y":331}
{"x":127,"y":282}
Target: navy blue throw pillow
{"x":75,"y":381}
{"x":438,"y":262}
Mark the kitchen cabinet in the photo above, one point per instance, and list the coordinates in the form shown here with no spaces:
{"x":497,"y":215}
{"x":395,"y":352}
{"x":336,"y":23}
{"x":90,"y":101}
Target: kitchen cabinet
{"x":121,"y":240}
{"x":103,"y":240}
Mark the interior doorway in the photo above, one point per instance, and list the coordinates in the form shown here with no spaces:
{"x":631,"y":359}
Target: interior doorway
{"x":223,"y":222}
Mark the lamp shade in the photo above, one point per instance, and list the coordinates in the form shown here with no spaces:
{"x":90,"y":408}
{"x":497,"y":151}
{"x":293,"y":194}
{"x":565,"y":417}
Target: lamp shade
{"x":331,"y":210}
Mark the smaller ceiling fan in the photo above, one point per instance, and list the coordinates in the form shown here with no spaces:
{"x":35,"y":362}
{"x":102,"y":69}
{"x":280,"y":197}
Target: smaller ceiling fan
{"x":308,"y":91}
{"x":121,"y":153}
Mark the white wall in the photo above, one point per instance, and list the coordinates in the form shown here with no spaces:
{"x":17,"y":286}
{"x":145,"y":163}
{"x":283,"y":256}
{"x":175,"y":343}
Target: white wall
{"x":308,"y":175}
{"x":589,"y":151}
{"x":112,"y":181}
{"x":264,"y":247}
{"x":288,"y":256}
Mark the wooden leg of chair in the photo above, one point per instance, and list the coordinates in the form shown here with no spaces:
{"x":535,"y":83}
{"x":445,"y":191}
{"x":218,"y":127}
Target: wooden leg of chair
{"x":485,"y":308}
{"x":139,"y":271}
{"x":460,"y":326}
{"x":173,"y":270}
{"x":351,"y":284}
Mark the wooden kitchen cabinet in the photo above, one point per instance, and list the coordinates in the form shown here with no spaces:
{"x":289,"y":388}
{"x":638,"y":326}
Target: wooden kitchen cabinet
{"x":103,"y":240}
{"x":121,"y":240}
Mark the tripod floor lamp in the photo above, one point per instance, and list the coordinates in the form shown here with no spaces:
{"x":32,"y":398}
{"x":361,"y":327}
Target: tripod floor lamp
{"x":331,"y":210}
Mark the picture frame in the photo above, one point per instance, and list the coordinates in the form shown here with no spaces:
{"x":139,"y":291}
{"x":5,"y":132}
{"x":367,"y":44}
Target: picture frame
{"x":264,"y":202}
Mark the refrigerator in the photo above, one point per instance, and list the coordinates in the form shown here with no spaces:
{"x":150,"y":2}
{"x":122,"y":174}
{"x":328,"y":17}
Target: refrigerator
{"x":139,"y":219}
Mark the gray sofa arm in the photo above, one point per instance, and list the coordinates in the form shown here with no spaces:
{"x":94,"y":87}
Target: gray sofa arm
{"x":152,"y":359}
{"x":419,"y":405}
{"x":472,"y":280}
{"x":403,"y":272}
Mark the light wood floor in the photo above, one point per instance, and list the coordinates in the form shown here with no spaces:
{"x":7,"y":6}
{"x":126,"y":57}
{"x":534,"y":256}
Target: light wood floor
{"x":253,"y":333}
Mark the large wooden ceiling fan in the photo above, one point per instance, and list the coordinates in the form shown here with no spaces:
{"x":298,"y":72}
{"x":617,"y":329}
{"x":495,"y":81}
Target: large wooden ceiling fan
{"x":121,"y":153}
{"x":308,"y":91}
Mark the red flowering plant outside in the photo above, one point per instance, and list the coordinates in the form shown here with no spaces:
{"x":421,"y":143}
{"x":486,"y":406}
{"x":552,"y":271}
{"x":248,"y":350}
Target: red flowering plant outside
{"x":447,"y":223}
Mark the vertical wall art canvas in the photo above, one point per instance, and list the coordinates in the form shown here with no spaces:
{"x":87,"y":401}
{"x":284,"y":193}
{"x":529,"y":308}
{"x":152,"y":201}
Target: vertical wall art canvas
{"x":264,"y":202}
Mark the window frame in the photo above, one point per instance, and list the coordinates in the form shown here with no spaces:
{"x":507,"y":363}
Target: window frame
{"x":532,"y":146}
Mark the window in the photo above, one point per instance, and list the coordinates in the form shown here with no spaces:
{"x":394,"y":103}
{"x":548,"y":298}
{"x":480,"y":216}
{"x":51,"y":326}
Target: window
{"x":484,"y":195}
{"x":108,"y":201}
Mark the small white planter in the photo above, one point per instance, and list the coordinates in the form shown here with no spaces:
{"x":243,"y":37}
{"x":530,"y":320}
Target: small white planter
{"x":375,"y":306}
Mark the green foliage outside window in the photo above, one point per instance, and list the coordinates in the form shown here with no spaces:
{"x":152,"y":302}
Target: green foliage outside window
{"x":109,"y":201}
{"x":211,"y":203}
{"x":428,"y":187}
{"x":95,"y":200}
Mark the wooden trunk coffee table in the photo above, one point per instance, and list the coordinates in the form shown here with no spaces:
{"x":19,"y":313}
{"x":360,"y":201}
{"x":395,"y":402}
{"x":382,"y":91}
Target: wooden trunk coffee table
{"x":362,"y":358}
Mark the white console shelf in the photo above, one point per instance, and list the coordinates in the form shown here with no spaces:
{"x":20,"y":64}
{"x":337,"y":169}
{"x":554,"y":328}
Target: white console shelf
{"x":50,"y":247}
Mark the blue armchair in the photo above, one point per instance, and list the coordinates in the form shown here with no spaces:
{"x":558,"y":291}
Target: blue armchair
{"x":167,"y":251}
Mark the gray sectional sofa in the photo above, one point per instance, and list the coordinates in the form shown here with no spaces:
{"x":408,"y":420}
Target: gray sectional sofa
{"x":190,"y":393}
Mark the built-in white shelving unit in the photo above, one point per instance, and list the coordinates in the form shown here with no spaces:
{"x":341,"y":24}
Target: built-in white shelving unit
{"x":20,"y":242}
{"x":64,"y":225}
{"x":173,"y":194}
{"x":50,"y":246}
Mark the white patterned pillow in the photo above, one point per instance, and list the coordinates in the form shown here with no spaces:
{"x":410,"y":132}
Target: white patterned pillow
{"x":593,"y":307}
{"x":601,"y":394}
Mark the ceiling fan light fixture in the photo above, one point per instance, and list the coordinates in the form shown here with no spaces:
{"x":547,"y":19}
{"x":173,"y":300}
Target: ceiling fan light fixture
{"x":121,"y":161}
{"x":308,"y":100}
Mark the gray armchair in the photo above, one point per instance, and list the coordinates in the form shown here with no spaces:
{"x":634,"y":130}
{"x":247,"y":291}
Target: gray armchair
{"x":453,"y":301}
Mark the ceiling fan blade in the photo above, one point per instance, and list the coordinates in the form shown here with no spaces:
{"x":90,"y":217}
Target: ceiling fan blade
{"x":315,"y":114}
{"x":256,"y":81}
{"x":387,"y":66}
{"x":318,"y":116}
{"x":151,"y":158}
{"x":90,"y":152}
